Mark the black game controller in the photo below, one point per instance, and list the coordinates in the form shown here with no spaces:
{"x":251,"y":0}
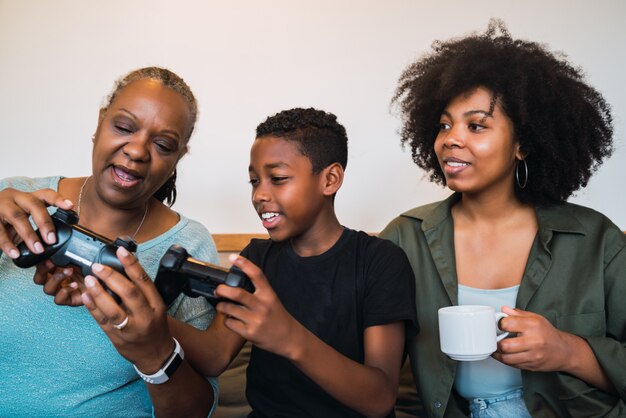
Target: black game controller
{"x":77,"y":246}
{"x":180,"y":273}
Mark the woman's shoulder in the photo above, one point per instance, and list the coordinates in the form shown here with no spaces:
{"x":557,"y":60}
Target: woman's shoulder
{"x":594,"y":226}
{"x":189,"y":233}
{"x":575,"y":216}
{"x":30,"y":184}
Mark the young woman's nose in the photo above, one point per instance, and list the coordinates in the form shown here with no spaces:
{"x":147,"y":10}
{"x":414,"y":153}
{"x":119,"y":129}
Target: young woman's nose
{"x":137,"y":148}
{"x":454,"y":138}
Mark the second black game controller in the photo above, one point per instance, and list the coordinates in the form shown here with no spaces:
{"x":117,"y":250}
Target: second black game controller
{"x":76,"y":246}
{"x":180,"y":273}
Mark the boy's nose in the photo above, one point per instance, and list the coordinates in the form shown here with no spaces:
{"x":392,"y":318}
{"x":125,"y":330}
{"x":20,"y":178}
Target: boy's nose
{"x":260,"y":194}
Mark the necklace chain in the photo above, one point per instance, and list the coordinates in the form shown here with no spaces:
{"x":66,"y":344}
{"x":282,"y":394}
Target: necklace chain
{"x":80,"y":199}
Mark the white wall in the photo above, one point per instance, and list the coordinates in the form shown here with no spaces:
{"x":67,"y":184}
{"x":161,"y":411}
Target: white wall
{"x":248,"y":59}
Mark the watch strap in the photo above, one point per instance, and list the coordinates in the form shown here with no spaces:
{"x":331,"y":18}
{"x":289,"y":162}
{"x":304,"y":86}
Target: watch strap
{"x":167,"y":370}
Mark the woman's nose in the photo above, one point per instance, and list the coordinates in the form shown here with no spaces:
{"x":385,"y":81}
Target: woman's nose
{"x":137,"y":148}
{"x":454,"y":138}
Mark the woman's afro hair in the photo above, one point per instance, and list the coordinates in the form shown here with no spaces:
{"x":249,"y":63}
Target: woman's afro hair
{"x":563,"y":125}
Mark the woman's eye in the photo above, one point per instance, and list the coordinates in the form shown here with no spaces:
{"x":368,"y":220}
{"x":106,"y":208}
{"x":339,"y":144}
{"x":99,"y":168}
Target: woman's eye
{"x":124,"y":128}
{"x":165,"y":146}
{"x":443,"y":126}
{"x":475,"y":127}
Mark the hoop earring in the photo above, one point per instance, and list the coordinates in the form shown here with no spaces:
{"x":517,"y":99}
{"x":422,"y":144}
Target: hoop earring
{"x":521,"y":186}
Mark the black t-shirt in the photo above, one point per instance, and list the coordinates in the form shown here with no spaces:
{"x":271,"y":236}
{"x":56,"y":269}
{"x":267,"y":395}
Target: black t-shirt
{"x":360,"y":282}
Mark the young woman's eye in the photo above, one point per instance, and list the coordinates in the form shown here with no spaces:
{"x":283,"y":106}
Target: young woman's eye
{"x":476,"y":127}
{"x":443,"y":126}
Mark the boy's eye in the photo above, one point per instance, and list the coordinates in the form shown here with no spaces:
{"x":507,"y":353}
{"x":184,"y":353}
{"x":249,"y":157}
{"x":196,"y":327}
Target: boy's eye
{"x":278,"y":180}
{"x":253,"y":182}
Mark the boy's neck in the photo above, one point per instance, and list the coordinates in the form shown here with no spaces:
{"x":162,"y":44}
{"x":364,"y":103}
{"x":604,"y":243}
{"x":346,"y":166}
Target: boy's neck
{"x":318,"y":239}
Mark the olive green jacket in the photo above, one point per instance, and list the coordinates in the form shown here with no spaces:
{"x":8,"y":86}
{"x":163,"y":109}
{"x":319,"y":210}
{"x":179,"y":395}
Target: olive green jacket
{"x":575,"y":277}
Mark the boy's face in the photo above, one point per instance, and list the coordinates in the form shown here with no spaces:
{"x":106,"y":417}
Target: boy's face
{"x":286,"y":193}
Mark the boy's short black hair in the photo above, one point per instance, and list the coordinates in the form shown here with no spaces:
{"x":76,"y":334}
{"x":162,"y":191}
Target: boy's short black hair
{"x":563,"y":125}
{"x":318,"y":135}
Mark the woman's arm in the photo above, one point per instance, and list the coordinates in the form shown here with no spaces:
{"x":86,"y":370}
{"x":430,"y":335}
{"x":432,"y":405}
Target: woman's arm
{"x":146,"y":340}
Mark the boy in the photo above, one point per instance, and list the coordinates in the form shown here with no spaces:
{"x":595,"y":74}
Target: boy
{"x":328,"y":317}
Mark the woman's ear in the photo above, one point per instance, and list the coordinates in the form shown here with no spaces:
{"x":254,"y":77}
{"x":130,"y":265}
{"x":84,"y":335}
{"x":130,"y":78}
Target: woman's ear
{"x":332,"y":178}
{"x":101,"y":115}
{"x":519,"y":154}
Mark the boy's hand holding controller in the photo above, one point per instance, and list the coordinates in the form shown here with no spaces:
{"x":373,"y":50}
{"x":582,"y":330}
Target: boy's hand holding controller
{"x":260,"y":317}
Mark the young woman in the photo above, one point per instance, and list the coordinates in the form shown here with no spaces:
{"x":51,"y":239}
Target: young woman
{"x":57,"y":359}
{"x":513,"y":130}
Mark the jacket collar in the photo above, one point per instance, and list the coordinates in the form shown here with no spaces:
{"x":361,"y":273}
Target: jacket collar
{"x":436,"y":222}
{"x":554,"y":218}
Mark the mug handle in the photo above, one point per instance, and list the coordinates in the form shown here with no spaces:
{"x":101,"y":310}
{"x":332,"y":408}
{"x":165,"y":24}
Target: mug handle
{"x":500,"y":334}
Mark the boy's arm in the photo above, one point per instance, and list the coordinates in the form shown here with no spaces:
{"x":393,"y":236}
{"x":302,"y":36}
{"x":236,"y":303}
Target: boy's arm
{"x":368,"y":388}
{"x":209,"y":351}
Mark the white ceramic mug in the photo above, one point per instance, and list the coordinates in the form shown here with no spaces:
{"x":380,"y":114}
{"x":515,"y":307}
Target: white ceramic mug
{"x":469,"y":332}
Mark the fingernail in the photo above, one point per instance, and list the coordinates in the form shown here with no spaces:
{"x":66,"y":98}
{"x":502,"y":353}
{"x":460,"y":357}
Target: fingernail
{"x":38,"y":247}
{"x":85,"y":297}
{"x":123,"y":252}
{"x":233,"y":257}
{"x":73,"y":285}
{"x":68,"y":202}
{"x":90,"y":281}
{"x":68,"y":272}
{"x":14,"y":253}
{"x":52,"y":238}
{"x":96,"y":267}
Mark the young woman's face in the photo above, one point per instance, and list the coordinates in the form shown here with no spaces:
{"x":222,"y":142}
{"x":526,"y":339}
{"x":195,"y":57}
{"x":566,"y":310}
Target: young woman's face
{"x":140,"y":138}
{"x":475,"y":146}
{"x":286,"y":193}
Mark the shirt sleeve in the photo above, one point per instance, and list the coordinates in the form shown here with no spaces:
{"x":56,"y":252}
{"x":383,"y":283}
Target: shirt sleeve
{"x":390,"y":288}
{"x":611,"y":350}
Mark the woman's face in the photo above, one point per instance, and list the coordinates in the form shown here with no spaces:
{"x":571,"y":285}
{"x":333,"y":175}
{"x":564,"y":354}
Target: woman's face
{"x":475,"y":145}
{"x":140,"y":138}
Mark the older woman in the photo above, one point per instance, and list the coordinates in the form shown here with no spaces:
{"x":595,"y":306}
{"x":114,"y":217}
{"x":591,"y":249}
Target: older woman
{"x":55,"y":360}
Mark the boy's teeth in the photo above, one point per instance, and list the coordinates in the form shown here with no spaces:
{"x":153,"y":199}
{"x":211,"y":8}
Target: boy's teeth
{"x":268,"y":215}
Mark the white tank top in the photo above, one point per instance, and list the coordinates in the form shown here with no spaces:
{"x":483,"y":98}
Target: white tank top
{"x":487,"y":378}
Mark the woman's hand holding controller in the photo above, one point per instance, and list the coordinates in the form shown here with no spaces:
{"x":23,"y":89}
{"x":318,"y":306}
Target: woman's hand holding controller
{"x":15,"y":209}
{"x":138,"y":326}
